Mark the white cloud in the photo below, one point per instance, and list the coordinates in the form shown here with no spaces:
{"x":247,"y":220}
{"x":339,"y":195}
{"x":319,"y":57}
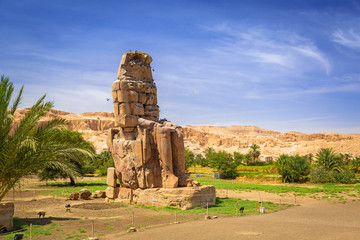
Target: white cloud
{"x":282,"y":49}
{"x":350,"y":38}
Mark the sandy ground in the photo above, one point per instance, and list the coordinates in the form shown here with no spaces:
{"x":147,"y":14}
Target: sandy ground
{"x":312,"y":220}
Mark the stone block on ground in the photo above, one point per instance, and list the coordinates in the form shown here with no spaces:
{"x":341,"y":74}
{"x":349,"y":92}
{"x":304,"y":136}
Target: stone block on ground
{"x":112,"y":192}
{"x":6,"y":214}
{"x":84,"y":194}
{"x":182,"y":197}
{"x":126,"y":194}
{"x":111,"y":177}
{"x":101,"y":193}
{"x":74,"y":196}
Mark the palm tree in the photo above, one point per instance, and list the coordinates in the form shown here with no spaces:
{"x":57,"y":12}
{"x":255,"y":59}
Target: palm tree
{"x":254,"y":152}
{"x":28,"y":145}
{"x":345,"y":158}
{"x":76,"y":166}
{"x":310,"y":157}
{"x":329,"y":159}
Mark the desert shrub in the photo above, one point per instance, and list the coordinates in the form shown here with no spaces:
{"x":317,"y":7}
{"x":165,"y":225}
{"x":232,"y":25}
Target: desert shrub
{"x":345,"y":176}
{"x":293,"y":168}
{"x":319,"y":174}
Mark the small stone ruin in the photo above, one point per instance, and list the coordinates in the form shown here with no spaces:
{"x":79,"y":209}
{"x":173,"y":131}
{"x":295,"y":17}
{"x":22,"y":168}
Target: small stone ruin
{"x":148,"y":153}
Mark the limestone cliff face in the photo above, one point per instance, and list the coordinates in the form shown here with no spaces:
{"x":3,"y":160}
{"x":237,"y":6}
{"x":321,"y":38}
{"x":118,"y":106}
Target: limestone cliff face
{"x":234,"y":138}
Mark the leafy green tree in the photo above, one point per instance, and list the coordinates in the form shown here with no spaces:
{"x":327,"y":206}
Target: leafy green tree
{"x":103,"y":161}
{"x":199,"y":159}
{"x":27,"y":146}
{"x":224,"y":163}
{"x":238,"y":157}
{"x":208,"y":152}
{"x":76,"y":165}
{"x":293,"y":168}
{"x":247,"y":158}
{"x":189,"y":159}
{"x":255,"y":152}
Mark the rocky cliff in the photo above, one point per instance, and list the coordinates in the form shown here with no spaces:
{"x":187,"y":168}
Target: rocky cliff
{"x":234,"y":138}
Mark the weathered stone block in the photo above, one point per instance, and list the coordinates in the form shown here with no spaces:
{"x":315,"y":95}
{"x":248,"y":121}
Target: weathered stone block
{"x":100,"y":193}
{"x":142,"y":98}
{"x":116,"y":108}
{"x":127,"y":121}
{"x":124,"y":108}
{"x":183,"y":198}
{"x":151,"y":99}
{"x":129,"y":129}
{"x":111,"y":177}
{"x":133,"y":96}
{"x":114,"y":96}
{"x":137,"y":109}
{"x":115,"y":85}
{"x":126,"y":194}
{"x":123,"y":95}
{"x":74,"y":196}
{"x":6,"y":214}
{"x":112,"y":192}
{"x":84,"y":194}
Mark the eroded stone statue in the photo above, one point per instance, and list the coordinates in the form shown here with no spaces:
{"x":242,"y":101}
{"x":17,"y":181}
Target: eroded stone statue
{"x":147,"y":153}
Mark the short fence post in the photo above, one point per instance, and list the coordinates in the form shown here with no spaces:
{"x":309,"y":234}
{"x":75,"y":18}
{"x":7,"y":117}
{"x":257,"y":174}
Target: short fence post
{"x":237,"y":208}
{"x":30,"y":231}
{"x":133,"y":219}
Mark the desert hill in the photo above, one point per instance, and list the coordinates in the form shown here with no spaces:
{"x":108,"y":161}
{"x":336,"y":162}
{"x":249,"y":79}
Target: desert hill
{"x":94,"y":126}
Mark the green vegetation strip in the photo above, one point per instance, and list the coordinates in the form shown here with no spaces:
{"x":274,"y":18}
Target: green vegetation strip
{"x":64,"y":187}
{"x":316,"y":188}
{"x":225,"y":207}
{"x":37,"y":230}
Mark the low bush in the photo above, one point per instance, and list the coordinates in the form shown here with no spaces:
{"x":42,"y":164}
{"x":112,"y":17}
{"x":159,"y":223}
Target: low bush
{"x":293,"y":168}
{"x":320,"y":175}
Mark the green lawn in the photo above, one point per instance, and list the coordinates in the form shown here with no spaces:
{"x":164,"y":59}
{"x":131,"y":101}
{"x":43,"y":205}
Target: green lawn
{"x":225,"y":206}
{"x":318,"y":188}
{"x":58,"y":188}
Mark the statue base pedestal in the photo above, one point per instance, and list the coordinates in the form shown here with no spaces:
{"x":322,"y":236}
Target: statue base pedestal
{"x":182,"y":197}
{"x":6,"y":215}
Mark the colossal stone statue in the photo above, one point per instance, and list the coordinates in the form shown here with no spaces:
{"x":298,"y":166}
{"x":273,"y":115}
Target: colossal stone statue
{"x":147,"y":153}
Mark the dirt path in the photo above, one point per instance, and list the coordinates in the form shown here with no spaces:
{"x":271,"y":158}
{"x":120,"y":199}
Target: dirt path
{"x":312,"y":220}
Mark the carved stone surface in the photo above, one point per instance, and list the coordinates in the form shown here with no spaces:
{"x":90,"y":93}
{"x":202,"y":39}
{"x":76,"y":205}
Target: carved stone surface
{"x":147,"y":153}
{"x":183,"y":198}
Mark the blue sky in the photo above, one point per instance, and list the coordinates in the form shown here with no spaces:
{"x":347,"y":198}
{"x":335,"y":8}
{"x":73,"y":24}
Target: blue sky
{"x":280,"y":65}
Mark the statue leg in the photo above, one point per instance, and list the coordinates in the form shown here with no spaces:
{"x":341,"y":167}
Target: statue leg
{"x":165,"y":153}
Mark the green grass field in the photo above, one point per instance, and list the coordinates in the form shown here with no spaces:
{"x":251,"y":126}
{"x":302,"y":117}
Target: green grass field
{"x":281,"y":188}
{"x":226,"y":207}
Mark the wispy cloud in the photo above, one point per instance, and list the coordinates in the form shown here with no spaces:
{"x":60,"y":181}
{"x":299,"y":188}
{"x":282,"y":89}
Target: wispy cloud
{"x":349,"y":38}
{"x":272,"y":47}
